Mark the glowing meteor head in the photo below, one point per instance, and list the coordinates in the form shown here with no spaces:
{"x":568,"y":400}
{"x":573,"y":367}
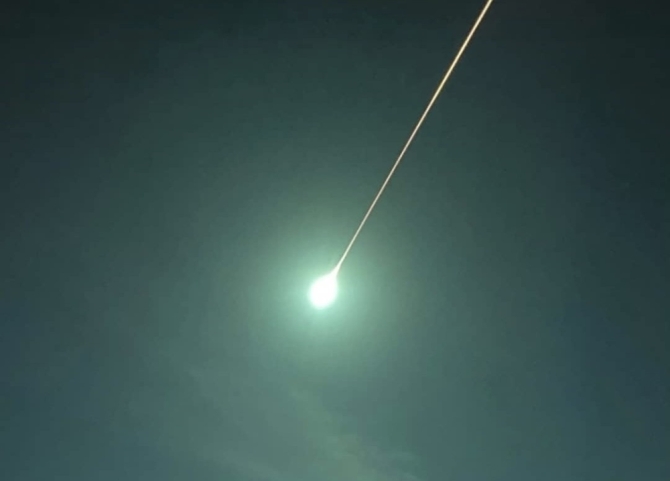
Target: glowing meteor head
{"x":324,"y":290}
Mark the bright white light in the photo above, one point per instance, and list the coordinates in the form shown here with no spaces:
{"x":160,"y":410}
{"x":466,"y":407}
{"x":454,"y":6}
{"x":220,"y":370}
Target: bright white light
{"x":324,"y":291}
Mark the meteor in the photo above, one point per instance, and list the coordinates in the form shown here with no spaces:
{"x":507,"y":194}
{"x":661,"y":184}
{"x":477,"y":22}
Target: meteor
{"x":324,"y":290}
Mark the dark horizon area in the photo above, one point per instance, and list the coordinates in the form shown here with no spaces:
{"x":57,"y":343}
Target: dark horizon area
{"x":174,"y":176}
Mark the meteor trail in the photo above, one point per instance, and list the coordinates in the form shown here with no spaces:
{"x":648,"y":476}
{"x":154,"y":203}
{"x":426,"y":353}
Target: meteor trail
{"x":324,"y":289}
{"x":413,"y":134}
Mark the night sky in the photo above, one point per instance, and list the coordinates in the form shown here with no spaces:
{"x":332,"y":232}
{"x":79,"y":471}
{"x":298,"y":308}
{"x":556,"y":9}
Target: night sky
{"x":174,"y":176}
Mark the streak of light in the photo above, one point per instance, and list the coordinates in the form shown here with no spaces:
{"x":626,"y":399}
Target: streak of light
{"x":413,"y":134}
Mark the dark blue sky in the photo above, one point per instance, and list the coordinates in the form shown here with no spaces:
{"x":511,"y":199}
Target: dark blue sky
{"x":173,"y":177}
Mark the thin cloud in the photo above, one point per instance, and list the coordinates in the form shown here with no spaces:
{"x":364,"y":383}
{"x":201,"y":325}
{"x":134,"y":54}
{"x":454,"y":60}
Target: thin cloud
{"x":264,"y":430}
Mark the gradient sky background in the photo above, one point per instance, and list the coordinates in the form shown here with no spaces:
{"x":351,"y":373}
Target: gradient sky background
{"x":174,"y":177}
